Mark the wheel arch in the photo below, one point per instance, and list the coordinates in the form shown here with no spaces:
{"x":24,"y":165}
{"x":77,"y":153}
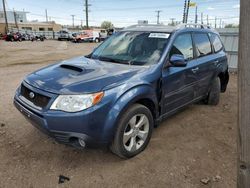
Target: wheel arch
{"x":142,"y":94}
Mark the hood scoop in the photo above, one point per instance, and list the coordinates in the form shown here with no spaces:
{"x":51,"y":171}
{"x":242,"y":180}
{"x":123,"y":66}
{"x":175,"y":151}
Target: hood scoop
{"x":72,"y":67}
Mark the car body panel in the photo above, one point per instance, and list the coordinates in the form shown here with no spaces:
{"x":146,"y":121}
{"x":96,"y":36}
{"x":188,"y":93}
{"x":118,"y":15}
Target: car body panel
{"x":93,"y":76}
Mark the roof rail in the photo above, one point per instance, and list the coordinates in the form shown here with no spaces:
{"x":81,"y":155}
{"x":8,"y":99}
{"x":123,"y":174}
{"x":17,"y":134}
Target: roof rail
{"x":193,"y":25}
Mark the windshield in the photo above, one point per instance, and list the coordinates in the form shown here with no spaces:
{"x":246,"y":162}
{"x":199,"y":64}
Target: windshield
{"x":134,"y":48}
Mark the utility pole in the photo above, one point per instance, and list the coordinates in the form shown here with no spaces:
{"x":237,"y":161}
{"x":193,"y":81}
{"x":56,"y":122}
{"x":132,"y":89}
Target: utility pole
{"x":5,"y":16}
{"x":172,"y":21}
{"x":207,"y":20}
{"x":73,"y":20}
{"x":184,"y":11}
{"x":188,"y":5}
{"x":87,"y":13}
{"x":202,"y":18}
{"x":220,"y":23}
{"x":15,"y":18}
{"x":243,"y":141}
{"x":46,"y":14}
{"x":196,"y":14}
{"x":158,"y":16}
{"x":215,"y":22}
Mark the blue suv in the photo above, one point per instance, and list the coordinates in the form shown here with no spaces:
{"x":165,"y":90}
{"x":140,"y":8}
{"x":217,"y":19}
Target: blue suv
{"x":131,"y":82}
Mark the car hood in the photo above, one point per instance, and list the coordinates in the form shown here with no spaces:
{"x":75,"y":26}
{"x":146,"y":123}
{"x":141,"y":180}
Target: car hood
{"x":81,"y":75}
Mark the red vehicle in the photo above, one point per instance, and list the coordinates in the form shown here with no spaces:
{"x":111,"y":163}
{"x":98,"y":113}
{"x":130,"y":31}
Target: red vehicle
{"x":13,"y":37}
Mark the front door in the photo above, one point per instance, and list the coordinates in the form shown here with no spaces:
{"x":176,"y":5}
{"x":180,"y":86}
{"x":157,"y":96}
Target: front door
{"x":178,"y":83}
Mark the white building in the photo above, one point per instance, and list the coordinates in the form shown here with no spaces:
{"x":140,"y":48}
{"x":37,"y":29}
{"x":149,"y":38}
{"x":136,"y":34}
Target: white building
{"x":20,"y":16}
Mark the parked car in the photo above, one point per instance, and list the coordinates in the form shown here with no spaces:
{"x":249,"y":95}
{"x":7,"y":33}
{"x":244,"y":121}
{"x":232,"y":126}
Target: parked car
{"x":65,"y":35}
{"x":35,"y":37}
{"x":12,"y":36}
{"x":131,"y":82}
{"x":87,"y":36}
{"x":25,"y":37}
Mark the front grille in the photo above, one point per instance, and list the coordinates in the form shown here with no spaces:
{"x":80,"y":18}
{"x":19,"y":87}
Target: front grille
{"x":37,"y":99}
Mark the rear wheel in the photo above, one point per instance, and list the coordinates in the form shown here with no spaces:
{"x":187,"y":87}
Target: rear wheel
{"x":133,"y":132}
{"x":214,"y":94}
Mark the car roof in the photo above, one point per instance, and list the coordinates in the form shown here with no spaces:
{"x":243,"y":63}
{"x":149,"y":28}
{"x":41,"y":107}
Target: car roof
{"x":169,"y":29}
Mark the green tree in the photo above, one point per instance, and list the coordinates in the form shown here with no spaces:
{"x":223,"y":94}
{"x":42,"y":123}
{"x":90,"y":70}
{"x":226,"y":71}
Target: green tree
{"x":231,"y":26}
{"x":107,"y":25}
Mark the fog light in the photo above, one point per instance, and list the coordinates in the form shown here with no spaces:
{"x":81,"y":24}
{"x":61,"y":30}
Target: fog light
{"x":82,"y":142}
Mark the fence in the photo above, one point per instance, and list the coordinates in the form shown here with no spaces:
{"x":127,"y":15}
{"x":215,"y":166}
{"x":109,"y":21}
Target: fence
{"x":47,"y":34}
{"x":230,"y":38}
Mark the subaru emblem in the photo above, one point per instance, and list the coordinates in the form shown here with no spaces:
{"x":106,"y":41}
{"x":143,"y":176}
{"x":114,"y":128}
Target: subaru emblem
{"x":32,"y":95}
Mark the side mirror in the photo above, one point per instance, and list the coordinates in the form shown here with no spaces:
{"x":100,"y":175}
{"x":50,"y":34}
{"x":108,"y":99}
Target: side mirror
{"x":178,"y":60}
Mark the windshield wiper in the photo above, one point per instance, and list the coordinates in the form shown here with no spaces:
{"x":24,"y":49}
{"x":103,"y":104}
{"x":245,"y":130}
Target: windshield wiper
{"x":134,"y":62}
{"x":102,"y":58}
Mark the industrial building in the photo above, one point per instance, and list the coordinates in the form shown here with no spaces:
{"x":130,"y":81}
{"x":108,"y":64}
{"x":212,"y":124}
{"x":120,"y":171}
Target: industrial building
{"x":17,"y":20}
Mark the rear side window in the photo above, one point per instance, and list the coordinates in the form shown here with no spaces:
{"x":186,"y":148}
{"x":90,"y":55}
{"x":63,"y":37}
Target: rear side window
{"x":216,"y":42}
{"x":202,"y":43}
{"x":183,"y":46}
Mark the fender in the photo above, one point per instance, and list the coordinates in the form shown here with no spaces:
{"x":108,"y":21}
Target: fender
{"x":122,"y":103}
{"x":222,"y":73}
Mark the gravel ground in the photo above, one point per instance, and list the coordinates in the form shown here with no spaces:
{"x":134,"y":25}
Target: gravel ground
{"x":192,"y":148}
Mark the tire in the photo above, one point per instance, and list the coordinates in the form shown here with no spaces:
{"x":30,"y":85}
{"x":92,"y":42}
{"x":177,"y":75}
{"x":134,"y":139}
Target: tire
{"x":214,"y":94}
{"x":97,"y":40}
{"x":129,"y":141}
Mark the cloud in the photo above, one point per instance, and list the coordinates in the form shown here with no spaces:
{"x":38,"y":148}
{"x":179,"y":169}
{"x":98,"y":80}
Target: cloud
{"x":236,"y":6}
{"x":210,"y":8}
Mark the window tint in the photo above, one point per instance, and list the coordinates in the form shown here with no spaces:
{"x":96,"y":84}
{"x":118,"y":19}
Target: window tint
{"x":202,"y":43}
{"x":216,"y":42}
{"x":183,"y":46}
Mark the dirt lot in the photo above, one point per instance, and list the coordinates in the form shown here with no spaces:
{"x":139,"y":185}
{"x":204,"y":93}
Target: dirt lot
{"x":198,"y":143}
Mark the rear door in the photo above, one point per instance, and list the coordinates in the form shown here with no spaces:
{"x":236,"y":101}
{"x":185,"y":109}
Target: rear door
{"x":206,"y":63}
{"x":178,"y":82}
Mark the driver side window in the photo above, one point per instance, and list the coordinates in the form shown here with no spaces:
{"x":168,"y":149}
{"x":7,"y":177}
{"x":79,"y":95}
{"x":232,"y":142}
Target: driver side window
{"x":183,"y":46}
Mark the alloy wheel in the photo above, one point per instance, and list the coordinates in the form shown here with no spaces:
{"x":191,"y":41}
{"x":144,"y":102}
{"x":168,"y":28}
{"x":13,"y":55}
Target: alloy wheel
{"x":136,"y":132}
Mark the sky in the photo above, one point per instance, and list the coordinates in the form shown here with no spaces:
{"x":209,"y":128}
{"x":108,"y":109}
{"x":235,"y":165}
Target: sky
{"x":126,"y":12}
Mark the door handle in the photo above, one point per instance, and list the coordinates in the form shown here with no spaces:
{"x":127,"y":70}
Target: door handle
{"x":216,"y":62}
{"x":195,"y":69}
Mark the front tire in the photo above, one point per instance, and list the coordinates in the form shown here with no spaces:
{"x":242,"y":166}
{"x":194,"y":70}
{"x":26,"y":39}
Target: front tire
{"x":214,"y":94}
{"x":133,"y":132}
{"x":97,"y":40}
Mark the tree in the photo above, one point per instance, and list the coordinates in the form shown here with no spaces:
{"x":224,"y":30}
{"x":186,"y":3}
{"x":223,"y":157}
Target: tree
{"x":107,"y":25}
{"x":231,"y":26}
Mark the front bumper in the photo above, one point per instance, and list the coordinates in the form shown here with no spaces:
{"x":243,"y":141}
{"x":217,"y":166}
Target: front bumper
{"x":67,"y":128}
{"x":64,"y":137}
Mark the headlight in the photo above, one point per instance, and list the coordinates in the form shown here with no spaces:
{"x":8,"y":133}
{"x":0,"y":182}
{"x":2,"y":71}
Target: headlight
{"x":76,"y":103}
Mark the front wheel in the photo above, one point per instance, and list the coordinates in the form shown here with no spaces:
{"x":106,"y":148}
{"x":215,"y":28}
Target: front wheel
{"x":133,"y":132}
{"x":97,"y":40}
